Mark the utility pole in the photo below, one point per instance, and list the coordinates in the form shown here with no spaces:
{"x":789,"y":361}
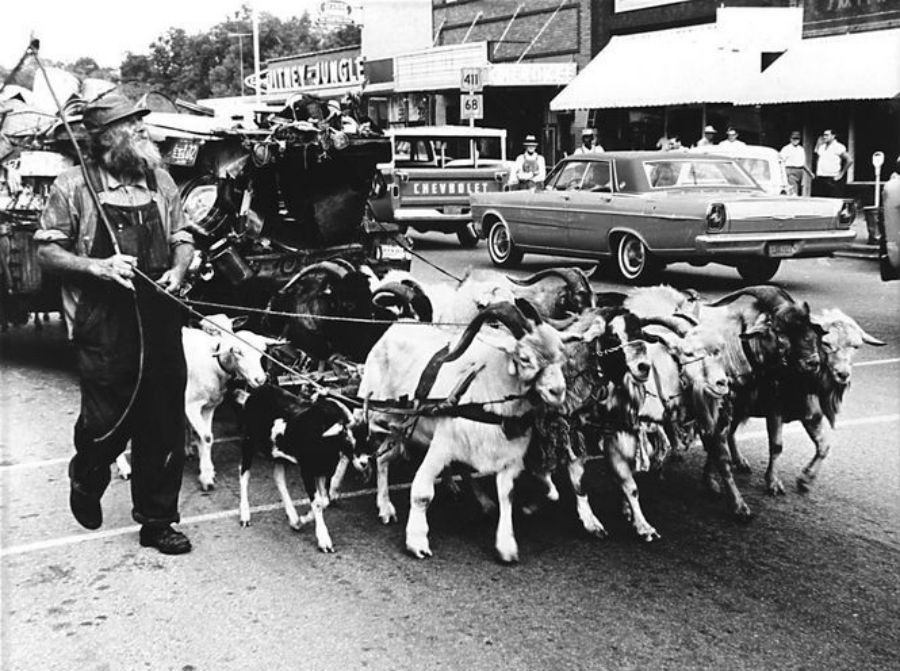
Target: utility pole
{"x":241,"y":37}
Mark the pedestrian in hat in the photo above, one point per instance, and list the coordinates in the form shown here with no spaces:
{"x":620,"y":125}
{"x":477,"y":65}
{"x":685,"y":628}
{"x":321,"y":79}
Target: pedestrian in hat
{"x":709,"y":137}
{"x":794,"y":156}
{"x":588,"y":143}
{"x":126,"y":332}
{"x":530,"y":169}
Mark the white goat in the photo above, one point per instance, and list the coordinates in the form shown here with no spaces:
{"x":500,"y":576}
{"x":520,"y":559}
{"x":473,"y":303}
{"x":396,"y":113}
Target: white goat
{"x":482,"y":369}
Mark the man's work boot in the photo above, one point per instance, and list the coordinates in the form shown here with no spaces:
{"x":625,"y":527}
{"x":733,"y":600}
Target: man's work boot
{"x":86,"y":487}
{"x":165,"y":539}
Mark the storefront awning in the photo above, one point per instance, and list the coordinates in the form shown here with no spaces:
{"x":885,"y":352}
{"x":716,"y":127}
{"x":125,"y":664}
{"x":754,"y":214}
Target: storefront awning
{"x":855,"y":66}
{"x":666,"y":67}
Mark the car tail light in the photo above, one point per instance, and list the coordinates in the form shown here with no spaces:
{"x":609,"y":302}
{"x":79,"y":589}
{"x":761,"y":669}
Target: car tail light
{"x":715,"y":216}
{"x":847,"y":213}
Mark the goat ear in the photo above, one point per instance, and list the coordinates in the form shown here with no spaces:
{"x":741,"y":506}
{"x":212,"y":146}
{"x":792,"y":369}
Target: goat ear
{"x":238,"y":322}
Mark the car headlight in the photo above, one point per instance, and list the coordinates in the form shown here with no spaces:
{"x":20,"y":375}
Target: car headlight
{"x":199,"y":202}
{"x":848,"y":212}
{"x":715,"y":216}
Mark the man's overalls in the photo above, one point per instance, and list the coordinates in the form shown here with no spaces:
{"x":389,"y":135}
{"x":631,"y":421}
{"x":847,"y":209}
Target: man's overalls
{"x":108,"y":347}
{"x":529,"y":164}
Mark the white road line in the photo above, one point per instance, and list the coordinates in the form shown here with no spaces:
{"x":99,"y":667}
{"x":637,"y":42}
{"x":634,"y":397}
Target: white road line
{"x":194,"y":519}
{"x":234,"y":512}
{"x":878,"y":362}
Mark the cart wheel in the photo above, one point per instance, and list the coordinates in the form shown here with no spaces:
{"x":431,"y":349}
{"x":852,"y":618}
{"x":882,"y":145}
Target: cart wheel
{"x":501,"y":248}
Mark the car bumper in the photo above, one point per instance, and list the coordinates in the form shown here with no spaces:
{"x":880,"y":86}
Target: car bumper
{"x":782,"y":244}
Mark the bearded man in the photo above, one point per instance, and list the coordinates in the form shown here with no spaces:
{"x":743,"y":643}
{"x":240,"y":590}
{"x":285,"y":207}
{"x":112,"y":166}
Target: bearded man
{"x":126,"y":331}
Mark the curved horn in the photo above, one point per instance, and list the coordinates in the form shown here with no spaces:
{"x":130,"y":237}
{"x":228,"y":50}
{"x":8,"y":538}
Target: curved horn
{"x":866,"y":338}
{"x":330,"y":267}
{"x":769,"y":295}
{"x":574,"y":278}
{"x":667,"y":322}
{"x":529,"y":311}
{"x":561,"y":324}
{"x":506,"y":313}
{"x":686,"y":317}
{"x":341,"y":406}
{"x":537,"y":277}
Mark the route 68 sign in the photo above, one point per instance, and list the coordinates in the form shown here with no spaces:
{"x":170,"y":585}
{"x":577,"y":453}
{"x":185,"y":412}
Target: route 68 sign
{"x":471,"y":106}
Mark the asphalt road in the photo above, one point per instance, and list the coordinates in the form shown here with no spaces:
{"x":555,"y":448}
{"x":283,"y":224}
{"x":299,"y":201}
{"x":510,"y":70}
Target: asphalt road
{"x":813,"y":582}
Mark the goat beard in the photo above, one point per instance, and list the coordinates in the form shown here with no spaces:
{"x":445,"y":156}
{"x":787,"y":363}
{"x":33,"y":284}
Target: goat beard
{"x":125,"y":155}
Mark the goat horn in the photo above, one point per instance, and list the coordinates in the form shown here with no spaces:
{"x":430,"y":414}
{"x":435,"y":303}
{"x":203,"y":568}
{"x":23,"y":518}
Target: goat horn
{"x":574,"y":278}
{"x":506,"y":313}
{"x":529,"y":311}
{"x":667,"y":322}
{"x":771,"y":296}
{"x":866,"y":337}
{"x":561,"y":324}
{"x":686,"y":317}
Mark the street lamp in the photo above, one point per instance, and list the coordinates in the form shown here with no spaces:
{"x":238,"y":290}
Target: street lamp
{"x":241,"y":37}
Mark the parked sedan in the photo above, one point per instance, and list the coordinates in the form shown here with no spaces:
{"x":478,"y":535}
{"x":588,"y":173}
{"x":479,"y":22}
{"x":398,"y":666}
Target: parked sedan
{"x":643,"y":210}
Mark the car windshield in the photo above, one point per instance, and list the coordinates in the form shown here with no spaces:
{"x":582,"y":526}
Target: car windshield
{"x":688,"y":173}
{"x":758,"y":168}
{"x":445,"y":152}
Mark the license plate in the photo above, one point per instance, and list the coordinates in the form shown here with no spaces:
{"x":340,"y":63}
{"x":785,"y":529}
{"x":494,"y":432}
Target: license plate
{"x":453,"y":209}
{"x":183,"y":152}
{"x":780,"y":250}
{"x":393,"y":253}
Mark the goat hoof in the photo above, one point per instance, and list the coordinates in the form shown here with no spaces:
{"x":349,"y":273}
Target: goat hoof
{"x":804,"y":484}
{"x":418,"y":549}
{"x":741,"y":466}
{"x":207,"y":486}
{"x":327,"y":548}
{"x":742,"y":513}
{"x":775,"y":488}
{"x":296,"y":525}
{"x":387,"y":514}
{"x":595,"y":528}
{"x":245,"y":524}
{"x":649,"y":535}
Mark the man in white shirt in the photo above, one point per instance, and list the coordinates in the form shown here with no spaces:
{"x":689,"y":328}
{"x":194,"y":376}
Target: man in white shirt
{"x":588,"y":145}
{"x":530,"y":169}
{"x":731,"y":139}
{"x":832,"y":162}
{"x":794,"y":156}
{"x":709,"y":137}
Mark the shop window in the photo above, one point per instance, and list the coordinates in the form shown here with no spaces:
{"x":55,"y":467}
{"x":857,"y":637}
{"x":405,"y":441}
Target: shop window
{"x":876,"y":128}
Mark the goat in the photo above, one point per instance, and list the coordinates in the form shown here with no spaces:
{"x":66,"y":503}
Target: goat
{"x":493,"y":378}
{"x":771,"y":334}
{"x":555,"y":300}
{"x":212,"y":362}
{"x":810,"y":401}
{"x":313,"y":436}
{"x":332,"y":289}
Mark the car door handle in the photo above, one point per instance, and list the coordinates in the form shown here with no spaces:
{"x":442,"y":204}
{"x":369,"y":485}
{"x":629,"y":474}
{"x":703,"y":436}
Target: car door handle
{"x":565,"y":196}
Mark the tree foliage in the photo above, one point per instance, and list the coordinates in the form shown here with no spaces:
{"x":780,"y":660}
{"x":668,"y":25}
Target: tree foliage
{"x":208,"y":64}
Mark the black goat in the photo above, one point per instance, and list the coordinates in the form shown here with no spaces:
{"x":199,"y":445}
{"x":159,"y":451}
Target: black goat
{"x":331,"y":289}
{"x":311,"y":435}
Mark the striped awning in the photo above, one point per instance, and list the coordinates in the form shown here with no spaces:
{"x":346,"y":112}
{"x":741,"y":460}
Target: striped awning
{"x":666,"y":67}
{"x":854,"y":66}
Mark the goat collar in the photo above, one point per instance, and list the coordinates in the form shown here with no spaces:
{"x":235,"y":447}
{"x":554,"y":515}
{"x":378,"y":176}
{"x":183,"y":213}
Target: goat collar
{"x":217,"y":355}
{"x":514,"y":426}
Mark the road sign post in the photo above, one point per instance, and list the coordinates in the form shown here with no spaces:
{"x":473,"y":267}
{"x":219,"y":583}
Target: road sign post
{"x":471,"y":107}
{"x":471,"y":102}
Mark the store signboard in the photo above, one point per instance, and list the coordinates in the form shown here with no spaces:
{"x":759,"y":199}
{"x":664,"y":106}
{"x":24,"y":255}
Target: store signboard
{"x":631,"y":5}
{"x":315,"y":71}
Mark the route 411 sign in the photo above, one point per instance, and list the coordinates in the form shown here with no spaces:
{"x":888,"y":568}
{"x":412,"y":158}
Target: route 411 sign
{"x":471,"y":106}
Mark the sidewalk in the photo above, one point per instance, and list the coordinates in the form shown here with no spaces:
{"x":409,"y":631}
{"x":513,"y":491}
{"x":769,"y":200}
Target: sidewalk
{"x":860,"y":248}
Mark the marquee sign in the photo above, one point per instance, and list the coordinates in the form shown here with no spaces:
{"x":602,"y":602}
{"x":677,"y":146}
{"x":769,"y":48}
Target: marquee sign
{"x":314,"y":74}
